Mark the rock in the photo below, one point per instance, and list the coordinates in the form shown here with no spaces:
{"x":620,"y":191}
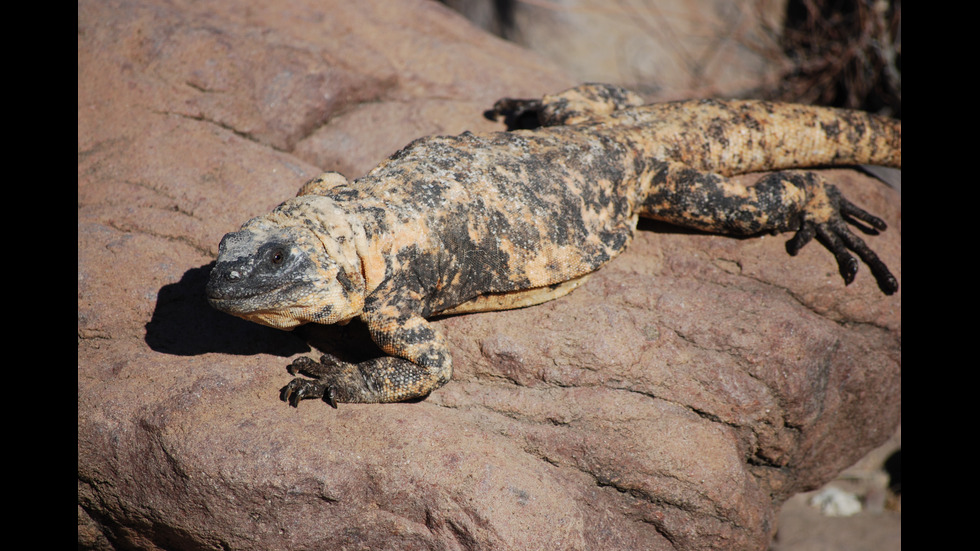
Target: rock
{"x":676,"y":49}
{"x":672,"y":402}
{"x":834,"y":502}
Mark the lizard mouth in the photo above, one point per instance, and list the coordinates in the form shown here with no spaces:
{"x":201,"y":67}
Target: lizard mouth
{"x":226,"y":296}
{"x":283,"y":307}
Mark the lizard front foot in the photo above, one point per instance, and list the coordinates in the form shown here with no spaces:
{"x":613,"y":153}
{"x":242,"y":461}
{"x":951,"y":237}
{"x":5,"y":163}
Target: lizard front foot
{"x":320,"y":386}
{"x":516,"y":113}
{"x":826,"y":219}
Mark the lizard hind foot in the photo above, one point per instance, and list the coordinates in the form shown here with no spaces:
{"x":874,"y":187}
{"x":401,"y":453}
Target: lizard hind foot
{"x":832,"y":232}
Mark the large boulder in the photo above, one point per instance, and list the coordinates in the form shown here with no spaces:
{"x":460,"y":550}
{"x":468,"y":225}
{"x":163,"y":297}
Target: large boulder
{"x":672,"y":402}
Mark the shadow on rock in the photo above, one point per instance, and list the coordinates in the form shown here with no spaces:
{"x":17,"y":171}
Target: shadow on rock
{"x":184,"y":324}
{"x":351,"y":342}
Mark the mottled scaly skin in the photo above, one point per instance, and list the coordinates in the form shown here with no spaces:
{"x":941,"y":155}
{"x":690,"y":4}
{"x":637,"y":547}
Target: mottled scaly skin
{"x":509,"y":219}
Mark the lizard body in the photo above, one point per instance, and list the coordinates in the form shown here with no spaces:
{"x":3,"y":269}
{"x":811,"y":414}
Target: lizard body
{"x":466,"y":223}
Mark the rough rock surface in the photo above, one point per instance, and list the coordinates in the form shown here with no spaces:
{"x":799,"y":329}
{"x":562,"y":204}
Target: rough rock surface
{"x":678,"y":49}
{"x":673,"y":402}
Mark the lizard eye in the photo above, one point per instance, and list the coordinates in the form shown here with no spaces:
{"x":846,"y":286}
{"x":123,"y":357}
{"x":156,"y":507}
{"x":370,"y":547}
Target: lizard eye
{"x":277,"y":256}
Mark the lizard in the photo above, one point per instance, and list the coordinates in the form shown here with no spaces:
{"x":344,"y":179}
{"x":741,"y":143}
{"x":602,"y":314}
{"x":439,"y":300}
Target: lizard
{"x":491,"y":221}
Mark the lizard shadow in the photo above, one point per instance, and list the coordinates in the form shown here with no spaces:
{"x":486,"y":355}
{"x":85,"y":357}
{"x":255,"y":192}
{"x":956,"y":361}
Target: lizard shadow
{"x":350,"y":342}
{"x":657,"y":226}
{"x":666,"y":228}
{"x":184,"y":324}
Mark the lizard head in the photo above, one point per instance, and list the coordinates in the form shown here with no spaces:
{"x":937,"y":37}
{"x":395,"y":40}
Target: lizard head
{"x":296,"y":265}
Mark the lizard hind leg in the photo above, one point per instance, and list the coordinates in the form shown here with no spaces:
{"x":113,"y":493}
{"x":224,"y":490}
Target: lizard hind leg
{"x":788,"y":200}
{"x":573,"y":106}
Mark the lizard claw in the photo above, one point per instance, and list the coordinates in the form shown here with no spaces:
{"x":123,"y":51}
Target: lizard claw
{"x":306,"y":389}
{"x":299,"y":365}
{"x":301,"y":389}
{"x":834,"y":234}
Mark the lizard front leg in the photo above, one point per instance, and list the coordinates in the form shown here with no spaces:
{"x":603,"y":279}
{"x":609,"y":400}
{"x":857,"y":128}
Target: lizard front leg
{"x":787,"y":200}
{"x":419,"y":363}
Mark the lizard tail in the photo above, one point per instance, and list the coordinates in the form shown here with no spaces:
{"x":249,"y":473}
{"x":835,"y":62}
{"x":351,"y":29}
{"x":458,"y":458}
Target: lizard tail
{"x":834,"y":137}
{"x":737,"y":137}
